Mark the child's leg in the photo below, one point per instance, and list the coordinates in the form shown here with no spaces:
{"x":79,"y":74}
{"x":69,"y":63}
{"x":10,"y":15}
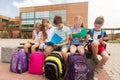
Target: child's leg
{"x":104,"y":59}
{"x":65,"y":54}
{"x":48,"y":50}
{"x":33,"y":48}
{"x":95,"y":49}
{"x":26,"y":46}
{"x":73,"y":49}
{"x":81,"y":49}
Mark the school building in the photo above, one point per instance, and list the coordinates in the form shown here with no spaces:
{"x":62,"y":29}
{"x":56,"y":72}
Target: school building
{"x":23,"y":25}
{"x":11,"y":25}
{"x":30,"y":15}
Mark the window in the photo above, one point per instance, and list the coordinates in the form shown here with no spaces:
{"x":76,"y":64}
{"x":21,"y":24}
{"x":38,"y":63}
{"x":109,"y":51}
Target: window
{"x":28,"y":15}
{"x":40,"y":15}
{"x":61,"y":13}
{"x":30,"y":18}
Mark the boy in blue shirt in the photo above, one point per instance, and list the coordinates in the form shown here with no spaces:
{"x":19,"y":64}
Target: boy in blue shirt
{"x":64,"y":32}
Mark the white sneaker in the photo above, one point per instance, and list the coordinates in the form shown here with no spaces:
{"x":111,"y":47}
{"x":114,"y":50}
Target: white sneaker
{"x":95,"y":76}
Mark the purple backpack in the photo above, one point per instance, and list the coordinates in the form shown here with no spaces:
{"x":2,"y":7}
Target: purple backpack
{"x":19,"y":62}
{"x":77,"y":68}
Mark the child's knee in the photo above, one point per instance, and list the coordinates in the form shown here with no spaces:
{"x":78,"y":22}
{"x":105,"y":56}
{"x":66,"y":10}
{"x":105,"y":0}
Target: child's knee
{"x":95,"y":44}
{"x":48,"y":49}
{"x":72,"y":47}
{"x":26,"y":46}
{"x":106,"y":56}
{"x":34,"y":46}
{"x":64,"y":51}
{"x":81,"y":50}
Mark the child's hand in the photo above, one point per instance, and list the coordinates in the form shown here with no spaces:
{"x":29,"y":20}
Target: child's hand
{"x":80,"y":39}
{"x":105,"y":39}
{"x":31,"y":41}
{"x":90,"y":40}
{"x":101,"y":40}
{"x":57,"y":45}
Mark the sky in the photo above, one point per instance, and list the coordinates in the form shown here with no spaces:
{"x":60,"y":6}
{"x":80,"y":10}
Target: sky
{"x":110,"y":9}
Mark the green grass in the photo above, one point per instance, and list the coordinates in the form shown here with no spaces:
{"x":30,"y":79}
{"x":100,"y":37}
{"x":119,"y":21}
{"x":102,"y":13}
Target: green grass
{"x":114,"y":41}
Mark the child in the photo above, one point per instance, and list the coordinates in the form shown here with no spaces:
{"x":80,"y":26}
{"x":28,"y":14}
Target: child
{"x":49,"y":28}
{"x":64,"y":33}
{"x":77,"y":43}
{"x":97,"y":46}
{"x":37,"y":38}
{"x":49,"y":31}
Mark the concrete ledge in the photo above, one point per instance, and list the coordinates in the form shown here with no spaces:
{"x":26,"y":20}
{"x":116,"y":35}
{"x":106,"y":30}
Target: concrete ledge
{"x":6,"y":53}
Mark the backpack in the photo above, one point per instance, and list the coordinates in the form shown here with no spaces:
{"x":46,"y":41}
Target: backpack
{"x":19,"y":62}
{"x":36,"y":63}
{"x":102,"y":32}
{"x":53,"y":67}
{"x":77,"y":68}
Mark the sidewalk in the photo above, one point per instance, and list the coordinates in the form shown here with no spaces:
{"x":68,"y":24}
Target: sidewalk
{"x":5,"y":73}
{"x":112,"y":67}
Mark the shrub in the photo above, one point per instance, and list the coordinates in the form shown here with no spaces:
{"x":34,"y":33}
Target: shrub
{"x":5,"y":34}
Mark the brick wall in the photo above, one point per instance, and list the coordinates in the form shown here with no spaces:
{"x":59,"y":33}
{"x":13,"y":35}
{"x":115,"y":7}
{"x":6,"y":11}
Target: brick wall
{"x":72,"y":10}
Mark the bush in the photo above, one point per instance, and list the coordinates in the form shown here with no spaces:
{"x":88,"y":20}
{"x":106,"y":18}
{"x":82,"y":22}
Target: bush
{"x":113,"y":41}
{"x":5,"y":34}
{"x":27,"y":35}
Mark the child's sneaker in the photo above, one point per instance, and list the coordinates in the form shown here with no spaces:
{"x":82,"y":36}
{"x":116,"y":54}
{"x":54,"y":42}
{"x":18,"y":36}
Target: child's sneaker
{"x":95,"y":76}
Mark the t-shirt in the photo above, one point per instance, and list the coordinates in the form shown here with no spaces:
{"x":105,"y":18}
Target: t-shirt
{"x":50,"y":33}
{"x":75,"y":41}
{"x":37,"y":35}
{"x":63,"y":33}
{"x":96,"y":34}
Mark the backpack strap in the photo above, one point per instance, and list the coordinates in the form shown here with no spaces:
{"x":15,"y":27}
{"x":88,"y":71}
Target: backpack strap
{"x":102,"y":32}
{"x":91,"y":32}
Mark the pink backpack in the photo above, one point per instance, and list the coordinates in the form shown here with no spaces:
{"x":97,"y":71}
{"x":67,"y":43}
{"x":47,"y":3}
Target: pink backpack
{"x":36,"y":63}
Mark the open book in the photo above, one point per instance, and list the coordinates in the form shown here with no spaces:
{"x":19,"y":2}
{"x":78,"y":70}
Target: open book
{"x":80,"y":34}
{"x":56,"y":39}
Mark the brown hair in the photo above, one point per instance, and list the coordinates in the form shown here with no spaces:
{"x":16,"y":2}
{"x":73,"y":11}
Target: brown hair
{"x":99,"y":20}
{"x":43,"y":27}
{"x":57,"y":20}
{"x":80,"y":19}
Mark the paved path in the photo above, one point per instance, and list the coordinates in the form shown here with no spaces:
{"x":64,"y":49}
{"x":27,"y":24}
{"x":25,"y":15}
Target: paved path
{"x":112,"y":67}
{"x":5,"y":73}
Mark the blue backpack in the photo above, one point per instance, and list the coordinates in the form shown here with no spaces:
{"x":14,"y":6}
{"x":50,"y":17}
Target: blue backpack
{"x":102,"y":32}
{"x":77,"y":68}
{"x":19,"y":62}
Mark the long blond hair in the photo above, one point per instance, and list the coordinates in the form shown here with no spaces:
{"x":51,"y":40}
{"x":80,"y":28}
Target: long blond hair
{"x":80,"y":19}
{"x":38,"y":25}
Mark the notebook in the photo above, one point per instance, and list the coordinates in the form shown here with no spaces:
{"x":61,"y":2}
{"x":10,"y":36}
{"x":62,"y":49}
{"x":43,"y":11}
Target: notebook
{"x":56,"y":39}
{"x":81,"y":34}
